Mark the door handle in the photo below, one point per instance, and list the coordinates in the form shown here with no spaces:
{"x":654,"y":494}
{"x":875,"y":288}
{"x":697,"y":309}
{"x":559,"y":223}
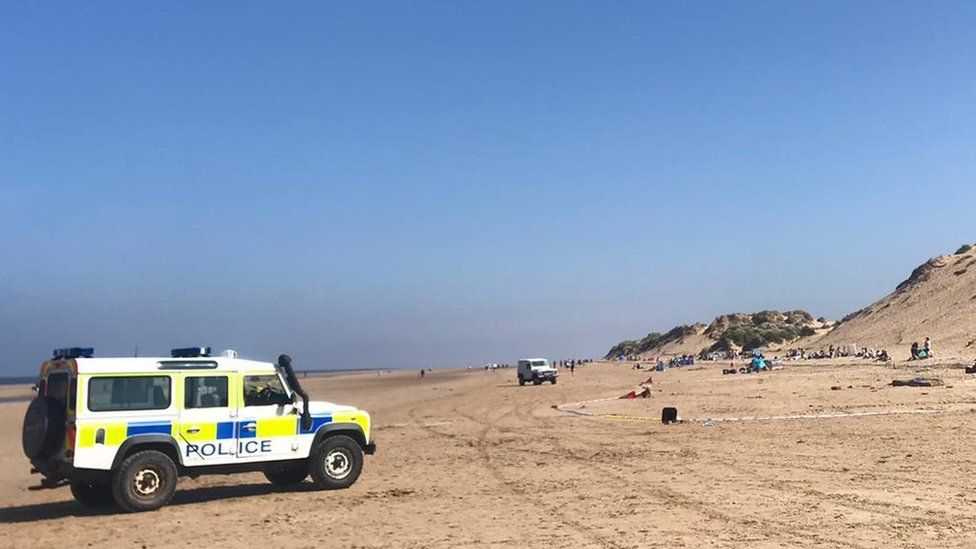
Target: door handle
{"x":193,"y":430}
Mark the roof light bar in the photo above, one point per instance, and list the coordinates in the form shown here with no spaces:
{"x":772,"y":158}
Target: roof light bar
{"x":190,"y":352}
{"x":74,"y":352}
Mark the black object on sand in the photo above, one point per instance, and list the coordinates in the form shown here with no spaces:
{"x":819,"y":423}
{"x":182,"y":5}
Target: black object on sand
{"x":669,"y":415}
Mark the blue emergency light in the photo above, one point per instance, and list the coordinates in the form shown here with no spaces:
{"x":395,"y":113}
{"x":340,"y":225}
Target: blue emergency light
{"x":74,"y":352}
{"x":190,"y":352}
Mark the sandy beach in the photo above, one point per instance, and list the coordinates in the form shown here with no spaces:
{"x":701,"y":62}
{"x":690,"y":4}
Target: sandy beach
{"x":193,"y":194}
{"x":469,"y":459}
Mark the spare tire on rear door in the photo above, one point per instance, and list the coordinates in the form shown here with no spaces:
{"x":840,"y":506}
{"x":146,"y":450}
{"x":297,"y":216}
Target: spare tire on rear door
{"x":43,"y":427}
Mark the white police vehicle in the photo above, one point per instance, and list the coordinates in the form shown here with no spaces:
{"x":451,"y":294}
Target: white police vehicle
{"x":125,"y":429}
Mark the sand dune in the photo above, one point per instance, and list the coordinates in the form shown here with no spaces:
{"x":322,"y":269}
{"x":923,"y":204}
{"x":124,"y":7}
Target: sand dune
{"x":938,"y":301}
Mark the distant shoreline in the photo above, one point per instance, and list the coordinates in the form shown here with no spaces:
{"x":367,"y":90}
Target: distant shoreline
{"x":30,"y":380}
{"x":18,"y":380}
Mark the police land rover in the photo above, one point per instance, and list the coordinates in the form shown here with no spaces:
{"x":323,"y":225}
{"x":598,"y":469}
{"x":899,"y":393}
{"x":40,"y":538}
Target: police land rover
{"x":124,"y":429}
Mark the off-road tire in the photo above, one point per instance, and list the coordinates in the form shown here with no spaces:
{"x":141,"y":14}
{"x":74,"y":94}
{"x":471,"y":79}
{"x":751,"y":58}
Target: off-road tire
{"x":336,"y":462}
{"x":145,"y":481}
{"x":521,"y":381}
{"x":44,"y":426}
{"x":536,"y":381}
{"x":92,"y":494}
{"x":553,"y":381}
{"x":288,"y":476}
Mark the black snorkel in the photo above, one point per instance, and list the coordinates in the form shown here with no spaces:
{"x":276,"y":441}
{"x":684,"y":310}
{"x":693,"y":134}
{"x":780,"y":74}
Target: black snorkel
{"x":284,"y":363}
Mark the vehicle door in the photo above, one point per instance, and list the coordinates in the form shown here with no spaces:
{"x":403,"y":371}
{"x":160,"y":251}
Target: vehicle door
{"x":207,"y":434}
{"x":268,"y":423}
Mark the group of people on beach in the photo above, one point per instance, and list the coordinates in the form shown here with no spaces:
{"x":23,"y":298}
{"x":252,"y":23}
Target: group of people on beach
{"x":842,"y":351}
{"x":879,"y":356}
{"x":923,"y":352}
{"x":918,"y":352}
{"x":673,"y":362}
{"x":570,"y":364}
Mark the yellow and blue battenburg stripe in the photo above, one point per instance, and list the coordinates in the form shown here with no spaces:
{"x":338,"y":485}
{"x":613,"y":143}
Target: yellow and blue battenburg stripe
{"x":115,"y":433}
{"x":317,"y":421}
{"x":149,"y":428}
{"x":279,"y":426}
{"x":225,"y":429}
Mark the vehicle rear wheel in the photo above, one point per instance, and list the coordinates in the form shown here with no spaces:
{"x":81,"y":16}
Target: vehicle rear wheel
{"x":145,"y":481}
{"x":289,"y":475}
{"x":521,"y":381}
{"x":92,"y":494}
{"x":336,"y":462}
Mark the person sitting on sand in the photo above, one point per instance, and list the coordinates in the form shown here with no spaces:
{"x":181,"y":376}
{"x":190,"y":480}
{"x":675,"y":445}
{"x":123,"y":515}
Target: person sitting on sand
{"x":928,"y":348}
{"x":914,"y":351}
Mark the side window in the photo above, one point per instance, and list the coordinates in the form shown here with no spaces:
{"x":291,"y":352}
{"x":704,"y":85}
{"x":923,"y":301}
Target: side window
{"x":113,"y":394}
{"x":264,"y":391}
{"x":205,"y":392}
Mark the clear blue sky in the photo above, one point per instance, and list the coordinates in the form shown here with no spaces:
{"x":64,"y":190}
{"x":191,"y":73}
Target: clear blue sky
{"x":445,"y":183}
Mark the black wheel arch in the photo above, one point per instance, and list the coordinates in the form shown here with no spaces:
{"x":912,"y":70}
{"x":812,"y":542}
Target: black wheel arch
{"x":162,"y":443}
{"x":352,"y":430}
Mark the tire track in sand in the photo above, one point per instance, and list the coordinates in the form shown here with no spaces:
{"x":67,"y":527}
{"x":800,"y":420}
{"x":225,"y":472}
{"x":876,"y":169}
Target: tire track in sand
{"x":769,"y":525}
{"x":481,"y":449}
{"x":484,"y":450}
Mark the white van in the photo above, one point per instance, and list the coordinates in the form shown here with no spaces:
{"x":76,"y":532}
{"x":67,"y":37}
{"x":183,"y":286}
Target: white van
{"x":536,"y":370}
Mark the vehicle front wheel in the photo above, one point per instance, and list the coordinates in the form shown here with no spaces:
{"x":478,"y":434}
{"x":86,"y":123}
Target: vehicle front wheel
{"x":336,"y":462}
{"x":553,"y":380}
{"x":145,"y":481}
{"x":288,"y":476}
{"x":536,"y":381}
{"x":92,"y":494}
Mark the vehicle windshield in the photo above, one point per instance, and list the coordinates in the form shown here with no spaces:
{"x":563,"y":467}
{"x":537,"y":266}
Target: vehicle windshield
{"x":265,"y":390}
